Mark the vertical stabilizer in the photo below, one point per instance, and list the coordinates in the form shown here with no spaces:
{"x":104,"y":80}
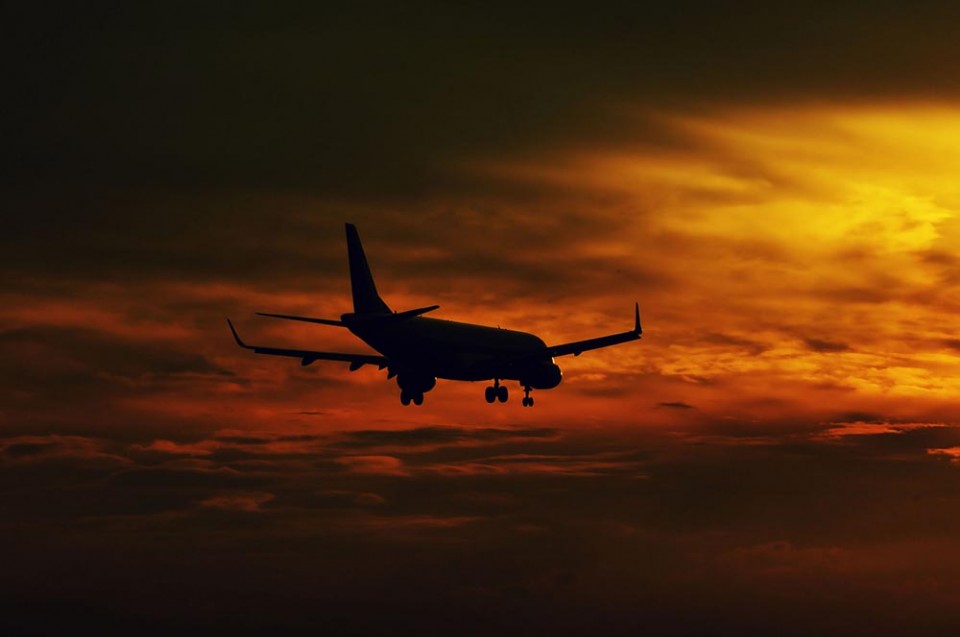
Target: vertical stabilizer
{"x":365,"y":297}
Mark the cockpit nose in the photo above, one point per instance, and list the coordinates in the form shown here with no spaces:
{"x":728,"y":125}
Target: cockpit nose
{"x":543,"y":376}
{"x":555,"y":375}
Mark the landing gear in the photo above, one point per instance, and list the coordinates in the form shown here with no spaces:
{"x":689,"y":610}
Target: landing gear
{"x":413,"y":386}
{"x":527,"y":398}
{"x":406,"y":397}
{"x":497,"y":392}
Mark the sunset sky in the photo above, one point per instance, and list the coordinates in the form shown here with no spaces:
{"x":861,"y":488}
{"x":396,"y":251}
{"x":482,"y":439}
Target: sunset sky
{"x":777,"y":184}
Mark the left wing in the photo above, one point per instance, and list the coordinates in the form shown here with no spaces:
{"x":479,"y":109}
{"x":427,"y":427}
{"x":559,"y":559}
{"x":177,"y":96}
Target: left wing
{"x":308,"y":356}
{"x":578,"y":347}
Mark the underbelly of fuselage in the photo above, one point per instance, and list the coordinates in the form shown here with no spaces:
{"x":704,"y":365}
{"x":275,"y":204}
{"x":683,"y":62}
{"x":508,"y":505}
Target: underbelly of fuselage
{"x":451,"y":350}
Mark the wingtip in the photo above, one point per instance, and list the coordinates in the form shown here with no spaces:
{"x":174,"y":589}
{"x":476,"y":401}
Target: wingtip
{"x":236,"y":336}
{"x":636,"y":318}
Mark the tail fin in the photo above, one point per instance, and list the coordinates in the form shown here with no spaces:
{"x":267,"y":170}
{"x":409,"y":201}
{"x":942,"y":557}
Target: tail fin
{"x":365,"y":297}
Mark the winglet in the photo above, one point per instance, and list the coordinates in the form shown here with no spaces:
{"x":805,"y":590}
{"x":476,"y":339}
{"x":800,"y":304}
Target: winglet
{"x":636,"y":319}
{"x":236,"y":336}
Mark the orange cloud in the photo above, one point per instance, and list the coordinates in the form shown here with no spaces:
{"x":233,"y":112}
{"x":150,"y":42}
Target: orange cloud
{"x":245,"y":502}
{"x":787,"y":259}
{"x":374,"y":465}
{"x":804,"y":246}
{"x":952,"y":453}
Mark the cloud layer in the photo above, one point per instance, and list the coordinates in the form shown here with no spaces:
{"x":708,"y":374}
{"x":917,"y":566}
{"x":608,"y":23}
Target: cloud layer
{"x":562,"y":530}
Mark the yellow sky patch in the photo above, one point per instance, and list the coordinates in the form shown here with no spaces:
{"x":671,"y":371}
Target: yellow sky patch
{"x":803,"y":229}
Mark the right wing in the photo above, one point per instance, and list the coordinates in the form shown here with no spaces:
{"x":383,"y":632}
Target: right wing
{"x":576,"y":348}
{"x":579,"y":347}
{"x":308,"y":356}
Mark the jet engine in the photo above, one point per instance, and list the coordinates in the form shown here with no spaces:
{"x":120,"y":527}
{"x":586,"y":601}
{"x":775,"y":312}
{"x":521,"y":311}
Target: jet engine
{"x":415,"y":383}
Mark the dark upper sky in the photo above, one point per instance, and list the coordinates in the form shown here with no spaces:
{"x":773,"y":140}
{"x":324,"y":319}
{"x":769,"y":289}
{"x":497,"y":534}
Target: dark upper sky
{"x":369,"y":100}
{"x":117,"y":112}
{"x":776,"y":183}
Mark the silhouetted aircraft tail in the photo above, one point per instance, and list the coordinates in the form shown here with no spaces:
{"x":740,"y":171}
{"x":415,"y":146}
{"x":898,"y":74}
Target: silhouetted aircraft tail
{"x":365,"y":297}
{"x":367,"y":304}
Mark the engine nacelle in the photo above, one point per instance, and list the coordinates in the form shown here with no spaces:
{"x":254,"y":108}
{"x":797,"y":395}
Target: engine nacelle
{"x":417,"y":383}
{"x":541,"y":376}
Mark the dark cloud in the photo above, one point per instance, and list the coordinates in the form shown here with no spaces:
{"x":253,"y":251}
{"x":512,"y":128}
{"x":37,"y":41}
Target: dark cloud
{"x":825,"y":346}
{"x":441,"y":435}
{"x":751,"y":346}
{"x":860,"y":416}
{"x":25,"y":449}
{"x":676,"y":405}
{"x":265,"y":440}
{"x":89,"y":350}
{"x":619,"y":531}
{"x":945,"y":264}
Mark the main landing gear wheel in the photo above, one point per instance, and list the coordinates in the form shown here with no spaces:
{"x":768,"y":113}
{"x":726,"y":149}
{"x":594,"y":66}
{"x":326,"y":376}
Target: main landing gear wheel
{"x":495,"y":393}
{"x":407,"y":396}
{"x":527,"y":398}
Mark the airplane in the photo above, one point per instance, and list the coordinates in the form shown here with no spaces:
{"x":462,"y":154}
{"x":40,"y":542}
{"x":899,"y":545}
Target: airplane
{"x":418,"y":350}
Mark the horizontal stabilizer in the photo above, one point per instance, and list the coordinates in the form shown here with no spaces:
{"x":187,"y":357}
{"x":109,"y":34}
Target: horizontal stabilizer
{"x":305,"y":319}
{"x":393,"y":317}
{"x":399,"y":316}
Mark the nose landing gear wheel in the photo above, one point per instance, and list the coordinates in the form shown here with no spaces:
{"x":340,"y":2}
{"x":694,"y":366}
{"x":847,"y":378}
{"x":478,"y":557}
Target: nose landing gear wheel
{"x":527,"y":398}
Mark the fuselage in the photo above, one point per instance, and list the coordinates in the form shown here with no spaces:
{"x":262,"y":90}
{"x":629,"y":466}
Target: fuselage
{"x":459,"y":351}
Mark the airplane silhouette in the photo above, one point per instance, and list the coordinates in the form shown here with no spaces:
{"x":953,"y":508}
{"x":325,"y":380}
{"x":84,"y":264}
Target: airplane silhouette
{"x":419,"y":350}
